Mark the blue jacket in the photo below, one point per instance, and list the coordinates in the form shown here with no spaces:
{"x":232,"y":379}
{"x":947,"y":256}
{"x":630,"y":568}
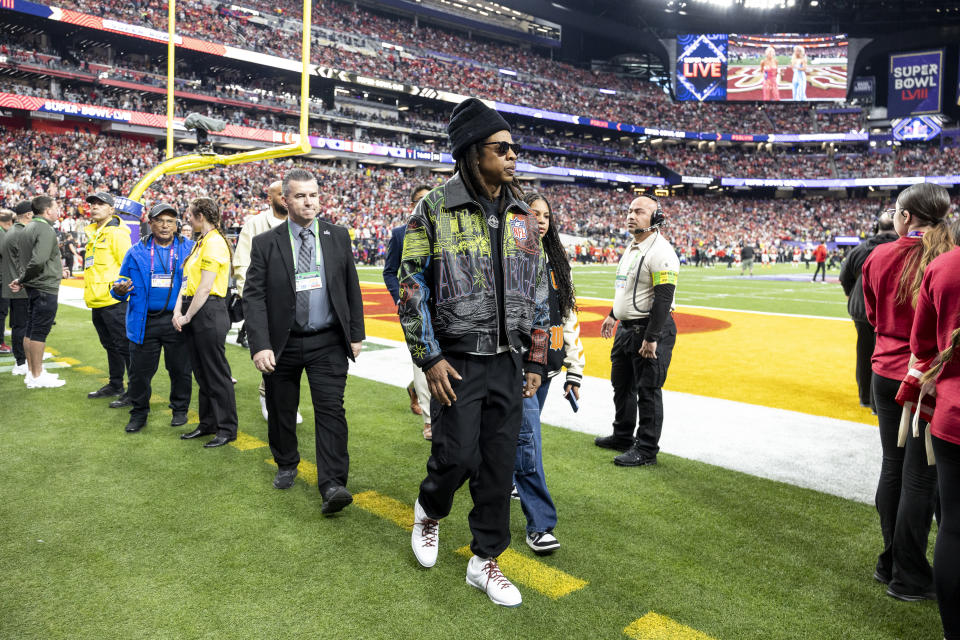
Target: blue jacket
{"x":391,"y":264}
{"x":136,"y":266}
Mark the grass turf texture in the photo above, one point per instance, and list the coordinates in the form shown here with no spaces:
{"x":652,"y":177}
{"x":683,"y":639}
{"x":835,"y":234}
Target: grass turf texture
{"x":722,"y":288}
{"x":110,"y":535}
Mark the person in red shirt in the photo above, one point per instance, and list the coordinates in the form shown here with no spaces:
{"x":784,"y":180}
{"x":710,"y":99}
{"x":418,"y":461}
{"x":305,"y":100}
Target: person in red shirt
{"x":906,"y":492}
{"x":820,"y":255}
{"x":935,"y":331}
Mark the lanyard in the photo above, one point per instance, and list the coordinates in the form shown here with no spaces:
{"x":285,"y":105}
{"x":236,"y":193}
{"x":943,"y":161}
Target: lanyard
{"x":169,"y":270}
{"x":915,"y":234}
{"x":93,"y":247}
{"x":316,"y":239}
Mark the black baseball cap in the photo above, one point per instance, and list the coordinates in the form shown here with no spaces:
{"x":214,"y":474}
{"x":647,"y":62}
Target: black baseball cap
{"x":101,"y":196}
{"x":161,"y":207}
{"x":22,"y":207}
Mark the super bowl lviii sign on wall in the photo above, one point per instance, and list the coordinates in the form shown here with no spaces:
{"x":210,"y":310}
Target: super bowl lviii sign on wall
{"x":702,"y":66}
{"x":914,"y":86}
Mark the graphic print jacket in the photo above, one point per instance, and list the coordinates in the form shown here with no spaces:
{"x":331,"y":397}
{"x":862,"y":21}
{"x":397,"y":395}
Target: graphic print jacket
{"x":448,"y":301}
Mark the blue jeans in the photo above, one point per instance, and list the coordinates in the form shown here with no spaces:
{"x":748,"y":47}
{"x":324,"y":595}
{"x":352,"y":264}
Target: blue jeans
{"x":528,"y":468}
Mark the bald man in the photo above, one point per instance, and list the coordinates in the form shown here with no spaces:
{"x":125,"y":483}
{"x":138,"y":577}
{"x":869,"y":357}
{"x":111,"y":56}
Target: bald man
{"x":263,"y":221}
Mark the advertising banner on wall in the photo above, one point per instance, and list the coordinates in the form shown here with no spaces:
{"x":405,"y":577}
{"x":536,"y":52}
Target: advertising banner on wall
{"x":914,"y":85}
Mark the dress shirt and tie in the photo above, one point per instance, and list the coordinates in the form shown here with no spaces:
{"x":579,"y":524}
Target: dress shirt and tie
{"x":313,"y":311}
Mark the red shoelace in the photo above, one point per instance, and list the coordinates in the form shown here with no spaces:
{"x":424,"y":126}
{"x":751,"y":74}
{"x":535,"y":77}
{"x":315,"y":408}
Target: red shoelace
{"x":429,"y":532}
{"x":492,"y":569}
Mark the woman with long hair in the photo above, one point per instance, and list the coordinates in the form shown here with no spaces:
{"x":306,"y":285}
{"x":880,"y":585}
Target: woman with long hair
{"x":565,"y":351}
{"x":201,"y":314}
{"x":798,"y":62}
{"x":906,"y":493}
{"x":771,"y":75}
{"x":936,"y":334}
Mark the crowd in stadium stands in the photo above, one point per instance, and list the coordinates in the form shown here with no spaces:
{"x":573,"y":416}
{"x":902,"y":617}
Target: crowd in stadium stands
{"x":744,"y":163}
{"x":351,"y":38}
{"x":845,"y":121}
{"x":927,"y":161}
{"x":372,"y":200}
{"x":860,"y":165}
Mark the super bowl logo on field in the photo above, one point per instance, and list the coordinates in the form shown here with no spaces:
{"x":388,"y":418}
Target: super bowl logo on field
{"x":519,"y":228}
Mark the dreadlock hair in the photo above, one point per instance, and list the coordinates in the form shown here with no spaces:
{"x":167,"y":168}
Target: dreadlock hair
{"x":928,"y":203}
{"x":557,"y":257}
{"x":945,"y":356}
{"x":469,"y":168}
{"x":209,"y":210}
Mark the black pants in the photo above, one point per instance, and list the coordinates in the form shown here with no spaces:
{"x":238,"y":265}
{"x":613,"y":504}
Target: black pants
{"x":4,"y":309}
{"x":906,"y":496}
{"x":866,"y":341}
{"x":111,"y":325}
{"x":821,"y":267}
{"x":637,"y":384}
{"x":324,"y":358}
{"x":476,"y":438}
{"x":205,"y":336}
{"x":144,"y":360}
{"x":946,"y":554}
{"x":18,"y":327}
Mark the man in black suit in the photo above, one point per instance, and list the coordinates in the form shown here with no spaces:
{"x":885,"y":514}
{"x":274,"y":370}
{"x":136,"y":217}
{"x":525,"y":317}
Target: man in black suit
{"x":304,"y":311}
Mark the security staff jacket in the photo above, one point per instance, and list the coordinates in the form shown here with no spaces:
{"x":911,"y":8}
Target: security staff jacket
{"x":137,"y":267}
{"x":106,"y":247}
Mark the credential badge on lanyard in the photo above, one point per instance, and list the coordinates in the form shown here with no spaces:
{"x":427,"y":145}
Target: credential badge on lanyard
{"x":161,"y":280}
{"x":309,"y":280}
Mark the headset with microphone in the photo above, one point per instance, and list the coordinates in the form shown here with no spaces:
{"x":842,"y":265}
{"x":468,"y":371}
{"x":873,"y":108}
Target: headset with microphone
{"x":657,"y":220}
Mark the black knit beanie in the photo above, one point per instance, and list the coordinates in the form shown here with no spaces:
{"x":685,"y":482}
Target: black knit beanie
{"x":472,"y":121}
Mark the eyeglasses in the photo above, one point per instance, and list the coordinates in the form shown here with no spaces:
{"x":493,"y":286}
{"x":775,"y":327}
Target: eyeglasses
{"x":503,"y":147}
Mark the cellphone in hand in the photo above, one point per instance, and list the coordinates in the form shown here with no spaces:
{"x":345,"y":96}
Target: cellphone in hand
{"x":572,"y":399}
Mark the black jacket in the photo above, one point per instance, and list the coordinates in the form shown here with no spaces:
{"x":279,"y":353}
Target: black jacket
{"x":448,"y":297}
{"x":269,"y":296}
{"x":391,"y":264}
{"x":851,"y":273}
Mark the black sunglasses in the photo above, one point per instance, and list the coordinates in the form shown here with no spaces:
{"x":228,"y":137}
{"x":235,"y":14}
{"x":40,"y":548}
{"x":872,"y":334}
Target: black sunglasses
{"x":502,"y":147}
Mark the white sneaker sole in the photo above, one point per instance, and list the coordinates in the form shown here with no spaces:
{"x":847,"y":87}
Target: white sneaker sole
{"x":492,"y":599}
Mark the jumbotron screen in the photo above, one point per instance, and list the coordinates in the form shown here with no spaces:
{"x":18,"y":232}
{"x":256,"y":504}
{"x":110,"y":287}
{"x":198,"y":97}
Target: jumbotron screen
{"x":769,"y":68}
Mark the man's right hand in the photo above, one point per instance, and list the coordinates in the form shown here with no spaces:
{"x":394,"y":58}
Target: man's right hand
{"x":122,"y":287}
{"x":264,"y":361}
{"x":438,"y":379}
{"x":608,"y":326}
{"x":15,"y":286}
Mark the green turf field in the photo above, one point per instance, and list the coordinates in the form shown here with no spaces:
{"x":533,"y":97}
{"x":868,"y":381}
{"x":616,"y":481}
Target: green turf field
{"x":110,"y":535}
{"x":723,"y":288}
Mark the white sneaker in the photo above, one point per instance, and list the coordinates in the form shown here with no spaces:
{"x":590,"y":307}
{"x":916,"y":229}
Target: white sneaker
{"x":20,"y":369}
{"x":484,"y":574}
{"x":44,"y":381}
{"x":425,"y":537}
{"x":265,"y":413}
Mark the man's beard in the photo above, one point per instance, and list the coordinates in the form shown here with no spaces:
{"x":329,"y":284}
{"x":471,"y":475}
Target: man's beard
{"x":279,"y":210}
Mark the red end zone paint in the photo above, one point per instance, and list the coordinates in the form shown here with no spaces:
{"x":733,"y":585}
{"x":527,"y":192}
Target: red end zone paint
{"x":378,"y":304}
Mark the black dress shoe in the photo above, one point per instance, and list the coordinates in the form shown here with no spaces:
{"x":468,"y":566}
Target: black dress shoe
{"x":335,"y":499}
{"x":911,"y":597}
{"x":284,"y":478}
{"x":633,"y":457}
{"x":219,"y":441}
{"x":134,"y":425}
{"x":196,"y":433}
{"x":105,"y":391}
{"x":122,"y":401}
{"x":613,"y":442}
{"x":179,"y":419}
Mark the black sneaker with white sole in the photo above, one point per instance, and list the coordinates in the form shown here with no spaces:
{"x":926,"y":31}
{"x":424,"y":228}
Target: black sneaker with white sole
{"x":542,"y":542}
